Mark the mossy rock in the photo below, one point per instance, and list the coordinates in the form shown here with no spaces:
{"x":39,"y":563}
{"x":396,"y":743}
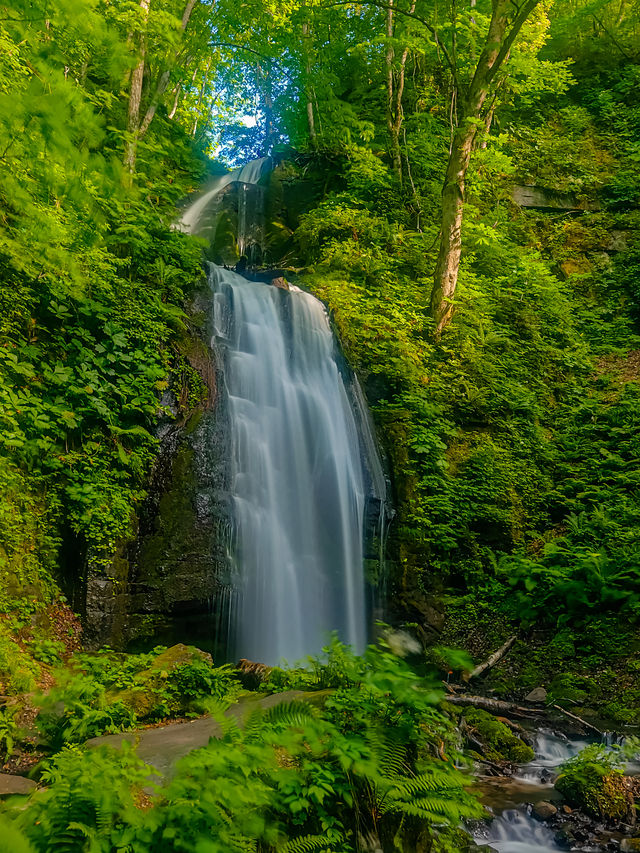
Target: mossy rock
{"x":148,"y":696}
{"x":500,"y":743}
{"x":596,"y":790}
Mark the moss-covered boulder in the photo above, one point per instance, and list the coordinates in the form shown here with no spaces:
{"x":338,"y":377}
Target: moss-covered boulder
{"x":498,"y":741}
{"x":178,"y":681}
{"x":596,"y":788}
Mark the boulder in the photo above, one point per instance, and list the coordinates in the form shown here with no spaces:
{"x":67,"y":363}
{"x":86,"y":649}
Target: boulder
{"x":146,"y":693}
{"x":10,"y":785}
{"x":538,"y":694}
{"x":544,"y":810}
{"x":598,"y":791}
{"x":630,"y":845}
{"x":497,"y":741}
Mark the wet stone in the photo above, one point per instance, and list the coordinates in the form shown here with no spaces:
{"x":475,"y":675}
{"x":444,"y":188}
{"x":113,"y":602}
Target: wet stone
{"x":538,"y":694}
{"x":544,"y":810}
{"x":10,"y":785}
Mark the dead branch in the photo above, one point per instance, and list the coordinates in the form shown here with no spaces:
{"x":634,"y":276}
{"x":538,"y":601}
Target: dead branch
{"x":577,"y":719}
{"x":491,"y":661}
{"x":495,"y":706}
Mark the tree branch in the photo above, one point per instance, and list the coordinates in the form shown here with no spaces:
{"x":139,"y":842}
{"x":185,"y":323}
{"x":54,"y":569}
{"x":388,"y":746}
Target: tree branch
{"x":164,"y":78}
{"x":387,"y":6}
{"x":507,"y":44}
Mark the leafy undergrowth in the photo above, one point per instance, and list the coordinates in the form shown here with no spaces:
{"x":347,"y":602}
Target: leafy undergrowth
{"x":594,"y":781}
{"x":513,"y":441}
{"x":109,"y":692}
{"x":376,"y":760}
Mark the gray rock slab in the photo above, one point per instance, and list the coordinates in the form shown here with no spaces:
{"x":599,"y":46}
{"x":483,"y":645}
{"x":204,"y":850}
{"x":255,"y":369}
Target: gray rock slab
{"x":538,"y":694}
{"x":15,"y":785}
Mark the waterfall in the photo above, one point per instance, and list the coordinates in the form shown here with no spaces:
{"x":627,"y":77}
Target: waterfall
{"x":516,"y":831}
{"x":297,"y":478}
{"x":247,"y":213}
{"x":304,"y":480}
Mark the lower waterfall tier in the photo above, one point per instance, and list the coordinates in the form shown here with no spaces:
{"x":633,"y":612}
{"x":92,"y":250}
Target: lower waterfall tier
{"x":297,"y":478}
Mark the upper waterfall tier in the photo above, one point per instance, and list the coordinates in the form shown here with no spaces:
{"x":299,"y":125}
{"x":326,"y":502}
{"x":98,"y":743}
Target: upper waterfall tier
{"x":198,"y":213}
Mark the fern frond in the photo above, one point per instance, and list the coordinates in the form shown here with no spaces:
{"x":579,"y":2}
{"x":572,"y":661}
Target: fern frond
{"x":294,"y":713}
{"x":390,"y":751}
{"x":306,"y":844}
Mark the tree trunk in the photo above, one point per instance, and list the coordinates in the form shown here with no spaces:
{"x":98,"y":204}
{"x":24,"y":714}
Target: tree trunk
{"x":448,"y":263}
{"x":163,"y":80}
{"x":135,"y":127}
{"x":306,"y":35}
{"x":269,"y":125}
{"x":395,"y":91}
{"x":135,"y":99}
{"x":498,"y":42}
{"x":495,"y":706}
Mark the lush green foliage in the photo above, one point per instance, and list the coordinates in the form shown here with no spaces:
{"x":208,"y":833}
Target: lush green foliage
{"x":512,"y":441}
{"x":593,"y":780}
{"x":109,"y":692}
{"x":371,"y":762}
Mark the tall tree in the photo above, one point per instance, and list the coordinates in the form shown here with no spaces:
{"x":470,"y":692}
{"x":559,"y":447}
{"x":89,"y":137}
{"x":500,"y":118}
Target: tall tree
{"x":137,"y":123}
{"x":504,"y":28}
{"x":395,"y":87}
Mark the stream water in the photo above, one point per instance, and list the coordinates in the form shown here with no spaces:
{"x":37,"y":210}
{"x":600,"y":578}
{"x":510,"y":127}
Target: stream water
{"x":515,"y":829}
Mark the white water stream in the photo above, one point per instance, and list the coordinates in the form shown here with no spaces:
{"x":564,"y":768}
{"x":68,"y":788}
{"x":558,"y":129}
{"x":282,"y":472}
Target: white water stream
{"x":299,"y":441}
{"x":515,"y":830}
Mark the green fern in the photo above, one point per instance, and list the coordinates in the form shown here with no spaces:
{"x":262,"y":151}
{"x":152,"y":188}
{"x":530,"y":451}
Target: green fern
{"x":295,"y":713}
{"x":306,"y":844}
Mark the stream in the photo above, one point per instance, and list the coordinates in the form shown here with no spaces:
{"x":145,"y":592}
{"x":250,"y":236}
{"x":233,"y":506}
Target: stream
{"x":515,"y":829}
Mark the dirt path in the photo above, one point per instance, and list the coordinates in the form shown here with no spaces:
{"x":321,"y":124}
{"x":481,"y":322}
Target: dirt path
{"x":162,"y":747}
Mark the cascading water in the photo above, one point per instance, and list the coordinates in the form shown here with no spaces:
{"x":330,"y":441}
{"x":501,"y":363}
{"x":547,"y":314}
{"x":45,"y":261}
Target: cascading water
{"x":516,"y":831}
{"x":551,"y":750}
{"x":303,"y":465}
{"x":202,"y":216}
{"x":297,"y":478}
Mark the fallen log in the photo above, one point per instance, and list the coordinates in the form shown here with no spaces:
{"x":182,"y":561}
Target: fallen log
{"x":495,"y":706}
{"x":491,"y":661}
{"x":578,"y":719}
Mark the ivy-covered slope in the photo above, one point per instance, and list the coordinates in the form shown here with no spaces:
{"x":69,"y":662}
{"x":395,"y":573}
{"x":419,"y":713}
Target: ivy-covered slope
{"x":94,"y":282}
{"x":514,"y":439}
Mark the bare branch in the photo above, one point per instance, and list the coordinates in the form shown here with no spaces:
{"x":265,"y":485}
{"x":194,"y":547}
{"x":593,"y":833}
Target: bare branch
{"x":421,"y":20}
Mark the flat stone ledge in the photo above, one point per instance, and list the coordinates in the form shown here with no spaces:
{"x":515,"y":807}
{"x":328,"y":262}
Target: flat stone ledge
{"x":10,"y":785}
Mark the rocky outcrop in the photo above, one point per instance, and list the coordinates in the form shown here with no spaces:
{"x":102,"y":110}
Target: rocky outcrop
{"x":160,"y":584}
{"x":11,"y":785}
{"x":542,"y":198}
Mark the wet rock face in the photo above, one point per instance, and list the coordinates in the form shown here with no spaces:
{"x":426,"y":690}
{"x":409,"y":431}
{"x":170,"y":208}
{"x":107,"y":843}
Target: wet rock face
{"x":160,"y":584}
{"x":179,"y":559}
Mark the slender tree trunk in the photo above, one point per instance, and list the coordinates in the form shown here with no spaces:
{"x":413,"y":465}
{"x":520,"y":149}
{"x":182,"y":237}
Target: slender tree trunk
{"x":269,"y":126}
{"x":395,"y":91}
{"x":448,"y":263}
{"x":498,"y":42}
{"x":135,"y":127}
{"x":306,"y":35}
{"x":135,"y":99}
{"x":163,"y":80}
{"x":176,"y":100}
{"x":390,"y":56}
